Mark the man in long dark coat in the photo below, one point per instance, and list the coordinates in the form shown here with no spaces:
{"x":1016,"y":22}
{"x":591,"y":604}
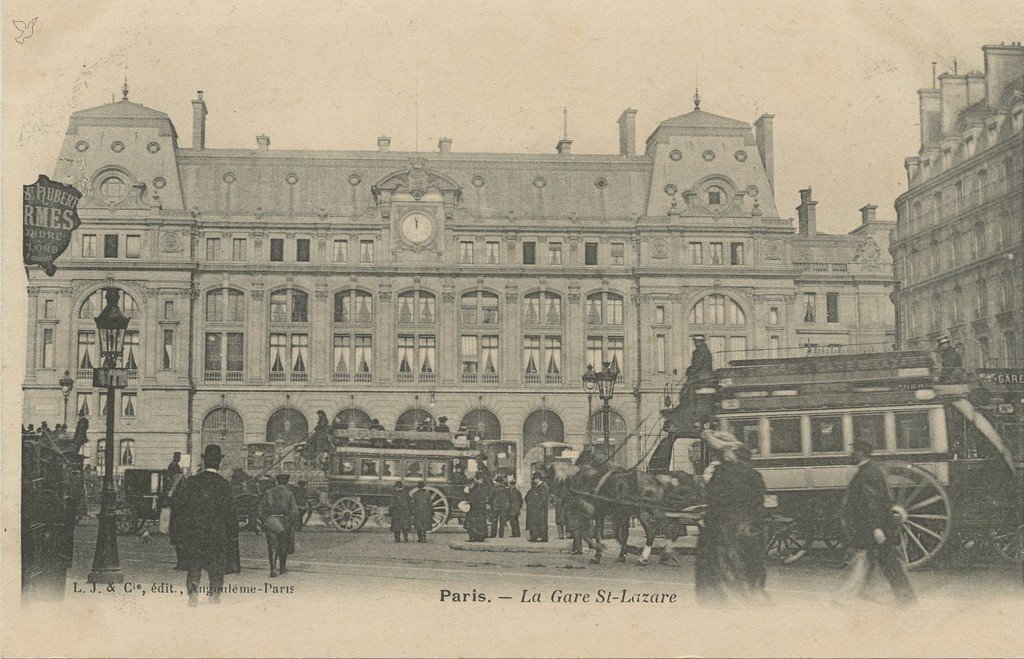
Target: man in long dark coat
{"x":499,"y":503}
{"x":515,"y":506}
{"x":537,"y":501}
{"x":422,"y":511}
{"x":700,"y":368}
{"x":204,"y":523}
{"x":476,"y":517}
{"x":952,"y":362}
{"x":871,"y":531}
{"x":400,"y":511}
{"x":730,"y":559}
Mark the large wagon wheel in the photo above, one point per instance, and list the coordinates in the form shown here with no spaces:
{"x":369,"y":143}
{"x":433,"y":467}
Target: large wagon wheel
{"x":379,"y":516}
{"x":784,"y":546}
{"x":1008,"y":541}
{"x":923,"y":509}
{"x":439,"y":504}
{"x":347,"y":514}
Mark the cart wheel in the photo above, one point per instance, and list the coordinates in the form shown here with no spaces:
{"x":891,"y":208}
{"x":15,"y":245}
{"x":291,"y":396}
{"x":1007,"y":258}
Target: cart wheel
{"x":246,"y":506}
{"x":784,"y":547}
{"x":126,"y":521}
{"x":379,"y":516}
{"x":347,"y":514}
{"x":922,"y":507}
{"x":1008,"y":542}
{"x":439,"y":504}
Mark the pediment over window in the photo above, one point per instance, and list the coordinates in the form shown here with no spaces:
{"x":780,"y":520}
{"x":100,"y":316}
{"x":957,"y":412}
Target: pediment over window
{"x":417,"y":182}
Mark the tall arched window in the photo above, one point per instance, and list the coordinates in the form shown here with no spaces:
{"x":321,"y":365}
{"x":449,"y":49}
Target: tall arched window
{"x":353,"y":336}
{"x":351,"y":417}
{"x":416,"y":418}
{"x":981,"y":299}
{"x":981,"y":239}
{"x":289,"y":335}
{"x":541,"y":426}
{"x":958,"y":304}
{"x":605,"y":340}
{"x":722,"y":320}
{"x":478,"y":342}
{"x":88,"y":349}
{"x":287,"y":426}
{"x":542,"y":338}
{"x":223,"y":427}
{"x":936,"y":313}
{"x":224,"y":345}
{"x":417,"y":337}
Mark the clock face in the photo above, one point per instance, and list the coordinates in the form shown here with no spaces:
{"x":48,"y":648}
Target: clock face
{"x":417,"y":228}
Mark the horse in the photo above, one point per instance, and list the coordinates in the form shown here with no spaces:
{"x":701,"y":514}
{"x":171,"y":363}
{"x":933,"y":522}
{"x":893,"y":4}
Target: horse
{"x":594,"y":490}
{"x":279,"y":542}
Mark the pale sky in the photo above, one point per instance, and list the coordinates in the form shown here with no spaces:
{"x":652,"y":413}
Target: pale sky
{"x":841,"y":78}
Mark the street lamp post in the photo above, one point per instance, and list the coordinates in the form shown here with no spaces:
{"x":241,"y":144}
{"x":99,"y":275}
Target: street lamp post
{"x":65,"y":388}
{"x":603,"y":383}
{"x":111,"y":325}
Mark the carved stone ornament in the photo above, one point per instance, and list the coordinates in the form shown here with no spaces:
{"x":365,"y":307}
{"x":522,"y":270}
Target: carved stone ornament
{"x":448,"y":296}
{"x":868,"y":252}
{"x":384,"y":296}
{"x":511,"y":297}
{"x":659,"y":248}
{"x":170,"y":242}
{"x":773,"y":250}
{"x":574,"y":297}
{"x":416,"y":181}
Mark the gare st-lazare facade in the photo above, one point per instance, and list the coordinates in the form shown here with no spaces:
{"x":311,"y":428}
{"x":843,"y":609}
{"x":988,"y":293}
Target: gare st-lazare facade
{"x":264,"y":284}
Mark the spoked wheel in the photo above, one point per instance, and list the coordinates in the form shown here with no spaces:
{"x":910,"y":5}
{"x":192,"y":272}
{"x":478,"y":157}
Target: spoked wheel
{"x":1008,"y":541}
{"x":922,"y":507}
{"x":439,"y":504}
{"x":784,"y":547}
{"x":347,"y":514}
{"x":379,"y":516}
{"x":126,"y":521}
{"x":246,"y":506}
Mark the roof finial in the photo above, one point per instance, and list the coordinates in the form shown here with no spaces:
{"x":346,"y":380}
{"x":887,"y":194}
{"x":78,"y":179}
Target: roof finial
{"x":696,"y":98}
{"x":565,"y":123}
{"x":124,"y":87}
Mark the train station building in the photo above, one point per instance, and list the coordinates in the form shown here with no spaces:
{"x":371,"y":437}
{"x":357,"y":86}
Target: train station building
{"x":267,"y":284}
{"x":959,"y":243}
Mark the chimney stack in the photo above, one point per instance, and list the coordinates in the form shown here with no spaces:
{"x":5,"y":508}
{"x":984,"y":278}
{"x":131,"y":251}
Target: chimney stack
{"x":199,"y":122}
{"x":805,"y":211}
{"x":953,"y":90}
{"x":931,"y":117}
{"x":766,"y":146}
{"x":1002,"y":64}
{"x":383,"y":143}
{"x":867,"y":214}
{"x":564,"y":147}
{"x":263,"y":142}
{"x":444,"y":145}
{"x":627,"y":132}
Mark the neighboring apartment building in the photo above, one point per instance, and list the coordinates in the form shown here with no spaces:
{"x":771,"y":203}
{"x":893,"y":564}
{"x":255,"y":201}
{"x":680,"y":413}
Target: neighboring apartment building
{"x":266,"y":285}
{"x":957,"y":249}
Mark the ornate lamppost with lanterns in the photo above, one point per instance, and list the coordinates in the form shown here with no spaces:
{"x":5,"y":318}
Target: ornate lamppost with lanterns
{"x":603,"y":384}
{"x":111,"y":325}
{"x":66,"y":383}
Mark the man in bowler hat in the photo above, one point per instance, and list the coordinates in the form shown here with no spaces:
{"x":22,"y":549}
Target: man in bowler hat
{"x":205,"y":526}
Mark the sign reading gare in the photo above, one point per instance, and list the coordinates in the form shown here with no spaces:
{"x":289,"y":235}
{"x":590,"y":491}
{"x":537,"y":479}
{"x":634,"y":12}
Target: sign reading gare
{"x":50,"y":214}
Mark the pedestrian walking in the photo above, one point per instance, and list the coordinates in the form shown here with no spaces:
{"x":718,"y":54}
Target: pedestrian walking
{"x":499,"y":505}
{"x":173,"y":472}
{"x":301,"y":492}
{"x":537,"y":501}
{"x":400,"y":512}
{"x":730,"y":561}
{"x":476,"y":517}
{"x":515,"y":507}
{"x":204,"y":523}
{"x":422,"y":511}
{"x":871,"y":532}
{"x":560,"y":516}
{"x":278,"y":512}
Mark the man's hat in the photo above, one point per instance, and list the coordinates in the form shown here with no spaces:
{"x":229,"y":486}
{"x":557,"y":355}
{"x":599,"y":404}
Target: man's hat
{"x":421,"y":484}
{"x":398,"y":485}
{"x":442,"y":419}
{"x":943,"y":340}
{"x":212,"y":452}
{"x":282,"y":479}
{"x":177,"y":454}
{"x":863,"y":444}
{"x":698,"y":337}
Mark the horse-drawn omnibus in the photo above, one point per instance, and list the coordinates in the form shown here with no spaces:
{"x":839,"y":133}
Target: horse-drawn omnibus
{"x":952,"y":476}
{"x":364,"y":466}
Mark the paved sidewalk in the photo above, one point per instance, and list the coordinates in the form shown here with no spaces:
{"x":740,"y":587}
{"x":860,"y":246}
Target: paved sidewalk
{"x":557,"y":546}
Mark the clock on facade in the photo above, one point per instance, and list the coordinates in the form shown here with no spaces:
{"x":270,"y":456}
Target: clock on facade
{"x":417,"y":228}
